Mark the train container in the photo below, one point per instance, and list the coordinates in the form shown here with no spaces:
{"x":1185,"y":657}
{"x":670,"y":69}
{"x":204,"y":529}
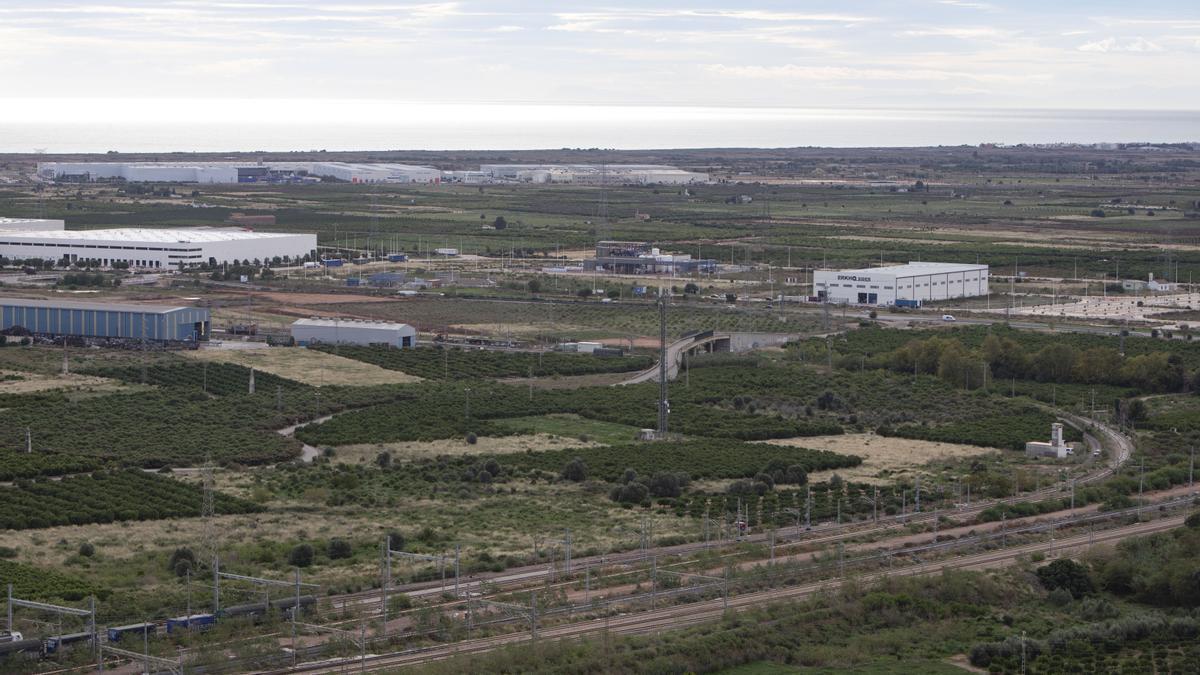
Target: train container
{"x":361,"y":261}
{"x":57,"y":643}
{"x":397,"y":257}
{"x":332,"y":262}
{"x":115,"y":634}
{"x":353,"y":281}
{"x":250,"y":609}
{"x":286,"y":604}
{"x":13,"y":648}
{"x":193,"y":622}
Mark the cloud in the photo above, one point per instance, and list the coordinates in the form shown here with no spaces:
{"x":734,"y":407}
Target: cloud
{"x":968,"y":5}
{"x":1107,"y":45}
{"x":959,"y":32}
{"x":843,"y":73}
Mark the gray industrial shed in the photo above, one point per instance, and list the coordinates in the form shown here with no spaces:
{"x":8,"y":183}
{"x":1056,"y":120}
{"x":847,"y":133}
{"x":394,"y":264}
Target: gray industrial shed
{"x":353,"y":332}
{"x":105,"y":320}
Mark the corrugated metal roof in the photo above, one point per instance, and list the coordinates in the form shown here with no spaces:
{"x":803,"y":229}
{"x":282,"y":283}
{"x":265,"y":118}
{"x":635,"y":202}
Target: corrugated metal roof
{"x":152,"y":235}
{"x":100,"y":306}
{"x":351,"y":323}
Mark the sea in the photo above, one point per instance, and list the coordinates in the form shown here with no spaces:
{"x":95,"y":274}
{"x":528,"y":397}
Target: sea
{"x":296,"y":125}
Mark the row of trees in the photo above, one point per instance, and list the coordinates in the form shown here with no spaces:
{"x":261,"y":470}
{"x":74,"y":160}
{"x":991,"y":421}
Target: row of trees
{"x":1003,"y":358}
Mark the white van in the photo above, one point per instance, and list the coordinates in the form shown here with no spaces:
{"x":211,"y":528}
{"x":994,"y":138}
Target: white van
{"x":948,"y":317}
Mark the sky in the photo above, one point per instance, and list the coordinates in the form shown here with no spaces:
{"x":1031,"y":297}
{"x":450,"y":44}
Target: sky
{"x":240,"y":57}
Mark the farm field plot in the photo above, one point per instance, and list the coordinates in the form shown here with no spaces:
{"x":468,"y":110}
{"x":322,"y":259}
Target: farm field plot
{"x":460,"y":364}
{"x":573,"y":428}
{"x":31,"y":583}
{"x":22,"y":382}
{"x":309,"y":366}
{"x":884,"y":458}
{"x":484,"y":445}
{"x":105,"y":497}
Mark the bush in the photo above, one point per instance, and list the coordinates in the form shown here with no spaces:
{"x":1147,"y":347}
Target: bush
{"x":630,"y":493}
{"x":1068,"y":575}
{"x":339,"y":549}
{"x":471,"y":439}
{"x":87,"y":550}
{"x":182,"y":561}
{"x":301,"y":556}
{"x":575,"y":470}
{"x":396,"y":541}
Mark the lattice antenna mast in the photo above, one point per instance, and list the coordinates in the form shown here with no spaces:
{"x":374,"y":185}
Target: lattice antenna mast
{"x":602,"y":228}
{"x":664,"y":407}
{"x":208,"y":510}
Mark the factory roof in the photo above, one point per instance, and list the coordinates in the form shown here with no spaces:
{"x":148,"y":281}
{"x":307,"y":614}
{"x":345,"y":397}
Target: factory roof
{"x":95,"y":306}
{"x":198,"y":235}
{"x":350,"y":323}
{"x":16,"y":221}
{"x":916,"y":269}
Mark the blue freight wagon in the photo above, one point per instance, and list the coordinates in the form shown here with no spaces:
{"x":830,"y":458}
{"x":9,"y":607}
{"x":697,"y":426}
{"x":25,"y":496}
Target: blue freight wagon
{"x":132,"y":630}
{"x":105,"y":320}
{"x":58,"y":642}
{"x":397,"y":257}
{"x":332,"y":262}
{"x":353,"y":281}
{"x":908,"y":303}
{"x":193,"y":622}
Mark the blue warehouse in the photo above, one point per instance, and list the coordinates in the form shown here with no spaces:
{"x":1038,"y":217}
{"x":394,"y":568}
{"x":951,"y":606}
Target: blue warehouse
{"x":106,"y":320}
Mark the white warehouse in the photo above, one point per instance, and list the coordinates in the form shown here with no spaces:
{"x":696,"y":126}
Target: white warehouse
{"x":377,"y":173}
{"x":30,"y":224}
{"x":353,"y":332}
{"x":146,"y":248}
{"x":912,"y":283}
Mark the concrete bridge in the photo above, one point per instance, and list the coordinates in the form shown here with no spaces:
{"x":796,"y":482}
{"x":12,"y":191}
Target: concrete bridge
{"x":708,"y":342}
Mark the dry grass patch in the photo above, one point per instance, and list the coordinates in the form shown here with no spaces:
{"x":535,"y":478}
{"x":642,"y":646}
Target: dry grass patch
{"x":27,"y":383}
{"x":884,"y":458}
{"x":306,"y":365}
{"x":484,"y":445}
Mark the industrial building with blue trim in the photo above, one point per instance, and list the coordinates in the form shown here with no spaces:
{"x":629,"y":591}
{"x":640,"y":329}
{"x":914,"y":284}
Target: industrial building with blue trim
{"x":59,"y":318}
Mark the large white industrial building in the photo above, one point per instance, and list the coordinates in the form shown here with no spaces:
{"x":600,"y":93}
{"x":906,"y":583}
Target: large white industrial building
{"x":359,"y":172}
{"x":912,"y":283}
{"x":377,"y":173}
{"x":592,"y":173}
{"x":27,"y":224}
{"x":353,"y":332}
{"x":147,"y":248}
{"x":235,"y":172}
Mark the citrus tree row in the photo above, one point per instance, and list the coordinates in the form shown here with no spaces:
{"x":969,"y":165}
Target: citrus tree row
{"x":103,"y":497}
{"x":453,"y":363}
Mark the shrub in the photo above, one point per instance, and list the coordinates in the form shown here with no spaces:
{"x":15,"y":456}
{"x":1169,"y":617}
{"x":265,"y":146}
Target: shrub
{"x":630,"y":493}
{"x":471,"y":439}
{"x":575,"y":470}
{"x":182,"y":561}
{"x":87,"y":550}
{"x":340,"y":548}
{"x":301,"y":556}
{"x":1066,"y":574}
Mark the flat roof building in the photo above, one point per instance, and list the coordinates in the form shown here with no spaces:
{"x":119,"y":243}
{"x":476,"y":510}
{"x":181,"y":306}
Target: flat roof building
{"x":913,"y":283}
{"x":104,"y":320}
{"x":353,"y":332}
{"x":27,"y":224}
{"x":156,"y":248}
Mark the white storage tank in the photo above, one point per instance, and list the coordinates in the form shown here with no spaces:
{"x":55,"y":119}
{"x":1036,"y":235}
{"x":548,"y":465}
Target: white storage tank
{"x":353,"y":332}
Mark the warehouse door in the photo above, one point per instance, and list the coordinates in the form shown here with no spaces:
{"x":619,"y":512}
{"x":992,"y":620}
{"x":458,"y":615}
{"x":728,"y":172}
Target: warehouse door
{"x":862,"y":298}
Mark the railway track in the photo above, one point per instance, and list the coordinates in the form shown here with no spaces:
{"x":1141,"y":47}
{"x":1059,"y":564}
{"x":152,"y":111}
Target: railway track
{"x":675,"y":617}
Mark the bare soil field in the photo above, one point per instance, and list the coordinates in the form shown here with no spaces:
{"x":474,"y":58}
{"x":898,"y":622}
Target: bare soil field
{"x":306,"y":365}
{"x":484,"y":445}
{"x":29,"y":383}
{"x":884,"y":458}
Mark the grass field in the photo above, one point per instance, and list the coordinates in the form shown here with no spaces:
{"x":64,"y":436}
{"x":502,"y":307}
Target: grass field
{"x":884,"y":458}
{"x":484,"y":445}
{"x":306,"y":365}
{"x":574,"y":427}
